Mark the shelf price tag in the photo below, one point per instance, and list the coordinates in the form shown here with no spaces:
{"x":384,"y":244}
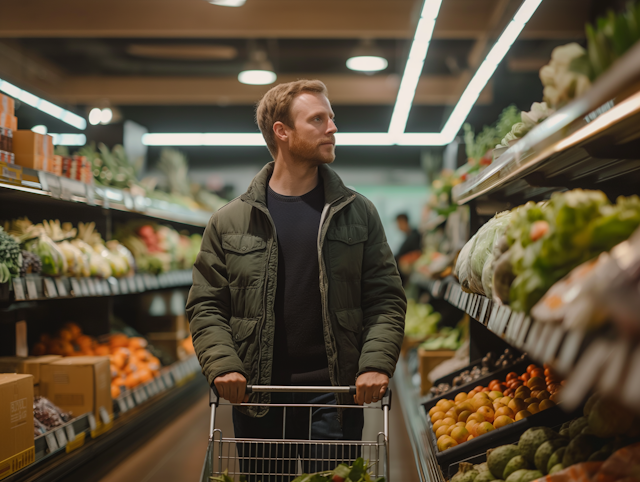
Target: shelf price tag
{"x":133,"y":288}
{"x":130,"y":403}
{"x":122,"y":405}
{"x":54,"y":186}
{"x":52,"y":444}
{"x":18,"y":289}
{"x":61,"y":437}
{"x":90,"y":194}
{"x":85,"y":287}
{"x":71,"y":432}
{"x":98,"y":287}
{"x":75,"y":286}
{"x":124,"y":286}
{"x":555,"y":338}
{"x":50,"y":288}
{"x":140,"y":283}
{"x":32,"y":291}
{"x":92,"y":421}
{"x":92,"y":287}
{"x":62,"y":289}
{"x":160,"y":384}
{"x":104,"y":415}
{"x":138,"y":396}
{"x":168,"y":379}
{"x":66,"y":189}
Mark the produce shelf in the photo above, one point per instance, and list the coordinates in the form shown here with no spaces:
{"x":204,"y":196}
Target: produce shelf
{"x":591,"y":143}
{"x":135,"y":422}
{"x":598,"y":359}
{"x":19,"y":180}
{"x":34,"y":288}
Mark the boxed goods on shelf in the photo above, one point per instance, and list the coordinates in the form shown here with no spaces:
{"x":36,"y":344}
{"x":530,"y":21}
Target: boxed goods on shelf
{"x":33,"y":150}
{"x":427,"y":361}
{"x":173,"y":344}
{"x":47,"y":416}
{"x":27,"y":365}
{"x":78,"y":384}
{"x":6,"y":143}
{"x":16,"y":423}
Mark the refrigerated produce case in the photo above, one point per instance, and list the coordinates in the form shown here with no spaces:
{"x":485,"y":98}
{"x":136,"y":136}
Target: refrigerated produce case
{"x":592,"y":143}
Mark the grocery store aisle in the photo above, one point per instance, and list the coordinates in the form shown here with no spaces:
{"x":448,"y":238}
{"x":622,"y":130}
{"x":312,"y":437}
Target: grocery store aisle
{"x":176,"y":453}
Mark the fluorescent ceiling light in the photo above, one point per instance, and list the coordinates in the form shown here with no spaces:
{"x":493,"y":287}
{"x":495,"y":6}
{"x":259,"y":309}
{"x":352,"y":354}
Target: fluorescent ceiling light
{"x":406,"y":93}
{"x":257,"y":77}
{"x":43,"y":105}
{"x":413,"y":69}
{"x":106,"y":115}
{"x":367,"y":63}
{"x":488,"y":67}
{"x":40,"y":129}
{"x":228,"y":3}
{"x":69,"y":139}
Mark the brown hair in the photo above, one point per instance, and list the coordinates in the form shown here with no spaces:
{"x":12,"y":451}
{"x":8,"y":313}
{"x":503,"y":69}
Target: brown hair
{"x":275,"y":106}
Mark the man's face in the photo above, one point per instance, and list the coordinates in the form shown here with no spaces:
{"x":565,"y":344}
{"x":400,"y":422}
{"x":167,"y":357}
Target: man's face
{"x":403,"y":225}
{"x":312,"y":137}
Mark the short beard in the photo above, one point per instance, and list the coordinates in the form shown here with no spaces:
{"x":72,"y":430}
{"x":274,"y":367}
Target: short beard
{"x":308,"y":152}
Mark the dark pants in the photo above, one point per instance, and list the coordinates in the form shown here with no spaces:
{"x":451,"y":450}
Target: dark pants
{"x":258,"y":459}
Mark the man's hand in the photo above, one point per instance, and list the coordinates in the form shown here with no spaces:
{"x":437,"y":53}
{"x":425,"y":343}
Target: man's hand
{"x":370,"y":387}
{"x":232,"y":387}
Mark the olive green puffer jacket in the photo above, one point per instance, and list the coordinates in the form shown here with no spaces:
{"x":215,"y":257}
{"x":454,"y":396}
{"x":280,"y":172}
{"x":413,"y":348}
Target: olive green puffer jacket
{"x":231,"y":302}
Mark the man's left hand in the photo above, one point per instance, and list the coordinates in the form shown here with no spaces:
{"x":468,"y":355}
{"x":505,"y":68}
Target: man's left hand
{"x":370,"y":387}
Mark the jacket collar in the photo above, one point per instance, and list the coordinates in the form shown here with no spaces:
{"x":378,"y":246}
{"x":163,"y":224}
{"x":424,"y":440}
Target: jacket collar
{"x":334,"y":188}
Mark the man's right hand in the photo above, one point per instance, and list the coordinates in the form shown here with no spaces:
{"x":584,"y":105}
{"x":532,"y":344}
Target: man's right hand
{"x":231,"y":387}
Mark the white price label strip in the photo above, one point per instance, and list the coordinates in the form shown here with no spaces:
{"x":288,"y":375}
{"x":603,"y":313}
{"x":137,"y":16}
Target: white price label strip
{"x":32,"y":291}
{"x":50,"y":288}
{"x":92,"y":421}
{"x":61,"y":437}
{"x":122,"y":405}
{"x":104,"y":415}
{"x":51,"y":442}
{"x":18,"y":289}
{"x":75,"y":286}
{"x":130,"y":402}
{"x":62,"y":289}
{"x":71,"y":432}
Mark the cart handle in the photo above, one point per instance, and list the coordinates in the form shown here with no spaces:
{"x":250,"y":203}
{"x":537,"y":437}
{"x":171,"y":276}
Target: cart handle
{"x":214,"y":398}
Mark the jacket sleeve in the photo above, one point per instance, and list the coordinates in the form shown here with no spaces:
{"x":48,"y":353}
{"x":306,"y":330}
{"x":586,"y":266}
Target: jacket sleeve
{"x":384,"y":303}
{"x":208,"y":309}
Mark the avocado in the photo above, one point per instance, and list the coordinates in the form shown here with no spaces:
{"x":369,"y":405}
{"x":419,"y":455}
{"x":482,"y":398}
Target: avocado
{"x":545,"y":451}
{"x":515,"y":464}
{"x":577,"y":426}
{"x":580,"y":449}
{"x":556,"y":458}
{"x":556,"y":468}
{"x":498,"y":458}
{"x":532,"y":439}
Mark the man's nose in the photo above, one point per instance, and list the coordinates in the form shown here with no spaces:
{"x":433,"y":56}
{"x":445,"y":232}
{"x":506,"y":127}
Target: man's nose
{"x":332,"y":128}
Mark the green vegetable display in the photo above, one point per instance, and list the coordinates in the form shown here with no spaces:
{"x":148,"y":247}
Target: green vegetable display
{"x":446,"y":339}
{"x":10,"y":257}
{"x":420,"y":320}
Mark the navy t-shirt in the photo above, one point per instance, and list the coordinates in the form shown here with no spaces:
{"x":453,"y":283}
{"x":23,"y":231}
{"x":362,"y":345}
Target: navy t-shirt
{"x":299,"y":353}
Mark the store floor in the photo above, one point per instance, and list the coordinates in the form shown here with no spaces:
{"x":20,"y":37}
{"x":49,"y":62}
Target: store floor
{"x":176,"y":452}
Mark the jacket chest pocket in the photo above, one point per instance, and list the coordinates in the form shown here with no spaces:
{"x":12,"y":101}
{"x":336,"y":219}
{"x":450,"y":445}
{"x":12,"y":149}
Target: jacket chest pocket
{"x":346,"y":249}
{"x":245,"y":256}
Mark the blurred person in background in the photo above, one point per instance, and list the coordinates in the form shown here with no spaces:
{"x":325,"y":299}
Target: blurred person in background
{"x":411,"y":248}
{"x":295,"y":284}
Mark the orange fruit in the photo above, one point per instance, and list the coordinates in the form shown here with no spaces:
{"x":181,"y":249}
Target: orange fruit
{"x":471,"y":427}
{"x":494,"y":395}
{"x":487,"y":413}
{"x":504,"y":411}
{"x":502,"y":421}
{"x":442,"y":431}
{"x":522,"y":414}
{"x":446,"y":405}
{"x":434,"y":409}
{"x":484,"y":427}
{"x":536,"y":383}
{"x":543,"y":395}
{"x":437,"y":416}
{"x":517,"y":404}
{"x":451,"y":413}
{"x":531,"y":400}
{"x":445,"y":443}
{"x":544,"y":404}
{"x":461,"y":397}
{"x":464,"y":416}
{"x":470,"y":437}
{"x":477,"y":417}
{"x":466,"y":405}
{"x":438,"y":424}
{"x":522,"y":392}
{"x":533,"y":407}
{"x":459,"y":434}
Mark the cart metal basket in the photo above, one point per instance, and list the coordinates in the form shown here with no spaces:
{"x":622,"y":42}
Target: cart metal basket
{"x":281,"y":460}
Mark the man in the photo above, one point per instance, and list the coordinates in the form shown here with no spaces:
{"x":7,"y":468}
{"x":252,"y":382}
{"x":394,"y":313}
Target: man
{"x":295,"y":284}
{"x":412,"y":236}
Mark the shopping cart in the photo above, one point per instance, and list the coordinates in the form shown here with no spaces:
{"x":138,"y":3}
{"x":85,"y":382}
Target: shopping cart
{"x":282,"y":459}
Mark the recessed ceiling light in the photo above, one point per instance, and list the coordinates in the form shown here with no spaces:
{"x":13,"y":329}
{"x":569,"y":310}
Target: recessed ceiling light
{"x":40,"y":129}
{"x":228,"y":3}
{"x":367,"y":63}
{"x":257,"y":77}
{"x":95,"y":116}
{"x":106,"y":115}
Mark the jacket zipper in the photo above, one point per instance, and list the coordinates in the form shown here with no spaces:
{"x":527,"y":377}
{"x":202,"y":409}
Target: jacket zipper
{"x":327,"y":216}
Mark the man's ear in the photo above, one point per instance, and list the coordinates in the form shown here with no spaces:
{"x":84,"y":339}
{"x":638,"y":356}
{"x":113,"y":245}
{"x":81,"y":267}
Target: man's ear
{"x":280,"y":130}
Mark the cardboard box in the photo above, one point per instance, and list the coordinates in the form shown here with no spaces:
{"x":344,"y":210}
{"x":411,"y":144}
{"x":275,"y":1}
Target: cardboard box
{"x":427,"y":361}
{"x":26,"y":365}
{"x":32,"y":150}
{"x":78,"y":384}
{"x":169,"y":343}
{"x":7,"y":105}
{"x":16,"y":423}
